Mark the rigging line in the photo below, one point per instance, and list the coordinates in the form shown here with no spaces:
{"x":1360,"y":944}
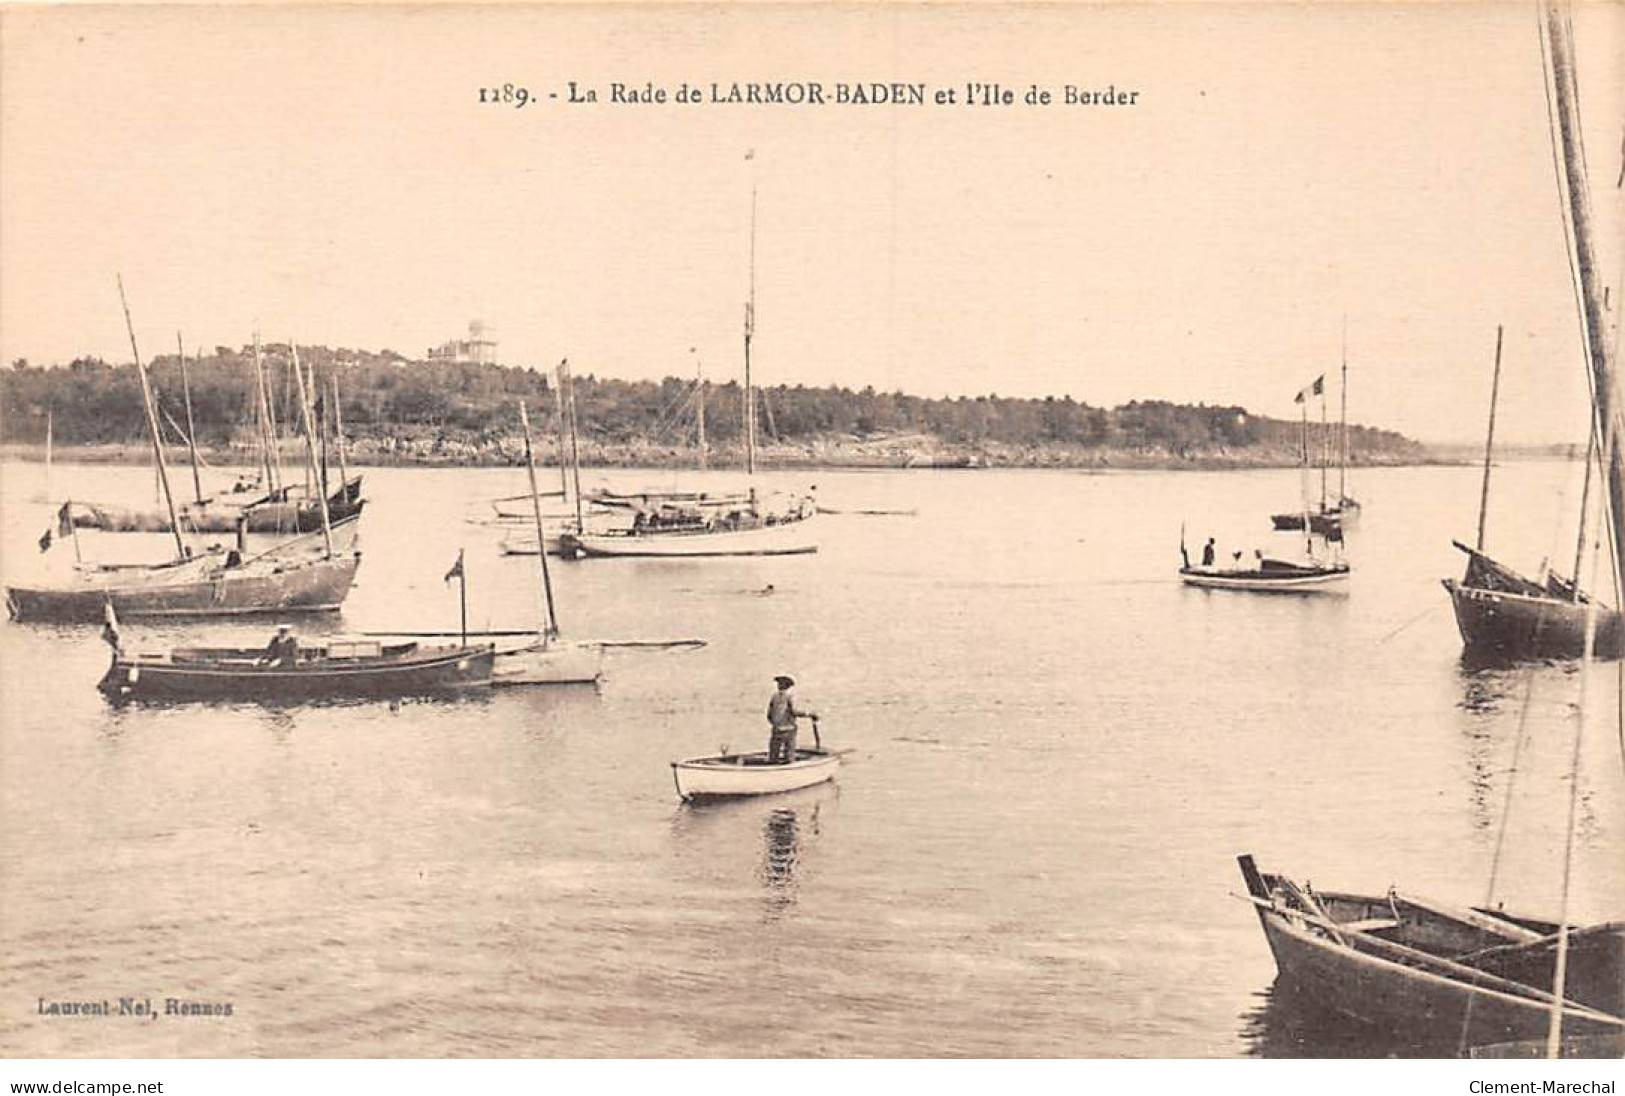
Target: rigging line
{"x":1425,"y":612}
{"x":1501,"y":831}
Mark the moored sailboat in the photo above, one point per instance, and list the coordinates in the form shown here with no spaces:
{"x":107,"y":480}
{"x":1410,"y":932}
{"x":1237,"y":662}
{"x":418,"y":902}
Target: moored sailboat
{"x":289,"y":578}
{"x":754,"y":525}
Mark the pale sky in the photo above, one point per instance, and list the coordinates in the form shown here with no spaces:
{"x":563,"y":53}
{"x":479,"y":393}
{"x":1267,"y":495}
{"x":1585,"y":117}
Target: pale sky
{"x":329,"y":175}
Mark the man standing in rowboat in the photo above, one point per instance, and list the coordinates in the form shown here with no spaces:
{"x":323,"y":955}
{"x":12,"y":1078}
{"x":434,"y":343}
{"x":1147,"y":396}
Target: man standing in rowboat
{"x":781,"y":716}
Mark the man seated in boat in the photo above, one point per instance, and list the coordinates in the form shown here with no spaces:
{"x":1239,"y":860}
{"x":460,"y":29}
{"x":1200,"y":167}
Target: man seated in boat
{"x":782,"y":714}
{"x":1207,"y":553}
{"x":283,"y":650}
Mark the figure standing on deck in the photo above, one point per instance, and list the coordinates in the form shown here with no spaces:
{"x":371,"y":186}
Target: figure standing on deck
{"x":782,"y":714}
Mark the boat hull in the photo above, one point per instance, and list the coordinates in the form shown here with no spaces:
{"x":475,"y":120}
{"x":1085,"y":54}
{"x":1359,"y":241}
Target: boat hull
{"x":317,"y":586}
{"x":429,"y":674}
{"x":1510,"y":625}
{"x":733,"y":776}
{"x":549,"y":664}
{"x":1267,"y":582}
{"x":789,"y":538}
{"x":1390,"y":983}
{"x":268,"y":516}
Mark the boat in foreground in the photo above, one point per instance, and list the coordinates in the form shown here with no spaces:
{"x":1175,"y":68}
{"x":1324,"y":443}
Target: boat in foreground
{"x":1272,"y":576}
{"x":1436,"y":975}
{"x":336,"y":670}
{"x":728,"y":776}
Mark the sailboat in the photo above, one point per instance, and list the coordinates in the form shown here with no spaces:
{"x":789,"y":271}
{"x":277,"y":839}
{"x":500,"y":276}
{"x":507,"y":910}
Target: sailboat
{"x":1502,"y":614}
{"x":737,"y":525}
{"x":548,"y":660}
{"x":269,"y":506}
{"x":1328,"y":514}
{"x":293,"y":577}
{"x":1477,"y":975}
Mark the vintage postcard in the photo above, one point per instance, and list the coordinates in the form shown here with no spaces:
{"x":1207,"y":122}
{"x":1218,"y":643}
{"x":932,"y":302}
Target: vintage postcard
{"x":842,"y":531}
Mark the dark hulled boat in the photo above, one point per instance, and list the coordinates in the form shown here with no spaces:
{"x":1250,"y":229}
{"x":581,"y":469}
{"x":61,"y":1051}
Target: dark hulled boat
{"x":1324,"y":522}
{"x":284,"y":510}
{"x":336,"y":670}
{"x":1504,"y":615}
{"x":1436,"y":976}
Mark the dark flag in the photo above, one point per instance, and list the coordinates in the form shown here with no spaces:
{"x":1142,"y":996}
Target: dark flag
{"x":1319,"y":387}
{"x":64,"y":521}
{"x":45,"y":541}
{"x":456,"y":569}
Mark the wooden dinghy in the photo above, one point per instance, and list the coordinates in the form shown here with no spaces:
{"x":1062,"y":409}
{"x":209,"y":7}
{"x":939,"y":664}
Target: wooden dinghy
{"x":731,"y":775}
{"x":1271,"y":577}
{"x":1437,"y":975}
{"x":335,"y":670}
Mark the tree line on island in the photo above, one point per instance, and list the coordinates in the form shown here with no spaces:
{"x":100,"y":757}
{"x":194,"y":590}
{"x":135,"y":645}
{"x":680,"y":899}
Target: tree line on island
{"x":472,"y":408}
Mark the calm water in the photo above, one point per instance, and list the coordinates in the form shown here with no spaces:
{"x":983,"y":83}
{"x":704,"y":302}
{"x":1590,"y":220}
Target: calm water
{"x":1061,"y":751}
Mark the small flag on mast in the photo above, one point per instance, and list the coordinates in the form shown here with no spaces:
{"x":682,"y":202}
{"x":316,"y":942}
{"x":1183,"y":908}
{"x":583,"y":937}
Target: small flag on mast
{"x":456,"y":568}
{"x":1316,"y":389}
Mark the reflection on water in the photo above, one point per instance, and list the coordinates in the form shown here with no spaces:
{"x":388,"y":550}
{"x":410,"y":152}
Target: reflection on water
{"x":1286,"y":1022}
{"x":1057,"y":737}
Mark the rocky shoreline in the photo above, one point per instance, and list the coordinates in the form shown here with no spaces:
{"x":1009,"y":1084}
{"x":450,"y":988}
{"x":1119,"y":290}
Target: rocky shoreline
{"x":913,"y":452}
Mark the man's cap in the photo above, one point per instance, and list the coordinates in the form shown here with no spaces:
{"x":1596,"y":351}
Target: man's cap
{"x":284,"y":627}
{"x":784,"y":682}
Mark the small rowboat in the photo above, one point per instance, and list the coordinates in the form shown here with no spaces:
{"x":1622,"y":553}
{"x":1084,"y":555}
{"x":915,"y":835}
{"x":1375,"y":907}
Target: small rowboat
{"x":730,"y":775}
{"x":1274,"y":577}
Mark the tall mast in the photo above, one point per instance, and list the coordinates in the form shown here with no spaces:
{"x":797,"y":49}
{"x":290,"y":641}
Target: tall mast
{"x":191,"y":430}
{"x":1303,"y":455}
{"x":1489,"y":443}
{"x":699,"y":411}
{"x":307,"y":414}
{"x":567,"y":385}
{"x":152,"y":425}
{"x":750,"y":329}
{"x":49,"y":415}
{"x":1343,"y":415}
{"x":1325,"y":446}
{"x":1593,"y":311}
{"x":338,"y":435}
{"x":536,"y":511}
{"x":273,"y":462}
{"x":1598,"y":351}
{"x":558,"y":416}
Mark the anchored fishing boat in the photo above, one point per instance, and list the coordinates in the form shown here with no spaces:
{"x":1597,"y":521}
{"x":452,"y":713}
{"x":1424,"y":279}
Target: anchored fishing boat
{"x":730,"y":775}
{"x":335,"y":670}
{"x":1271,"y":576}
{"x":295,"y":576}
{"x":1436,"y":974}
{"x":671,"y":525}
